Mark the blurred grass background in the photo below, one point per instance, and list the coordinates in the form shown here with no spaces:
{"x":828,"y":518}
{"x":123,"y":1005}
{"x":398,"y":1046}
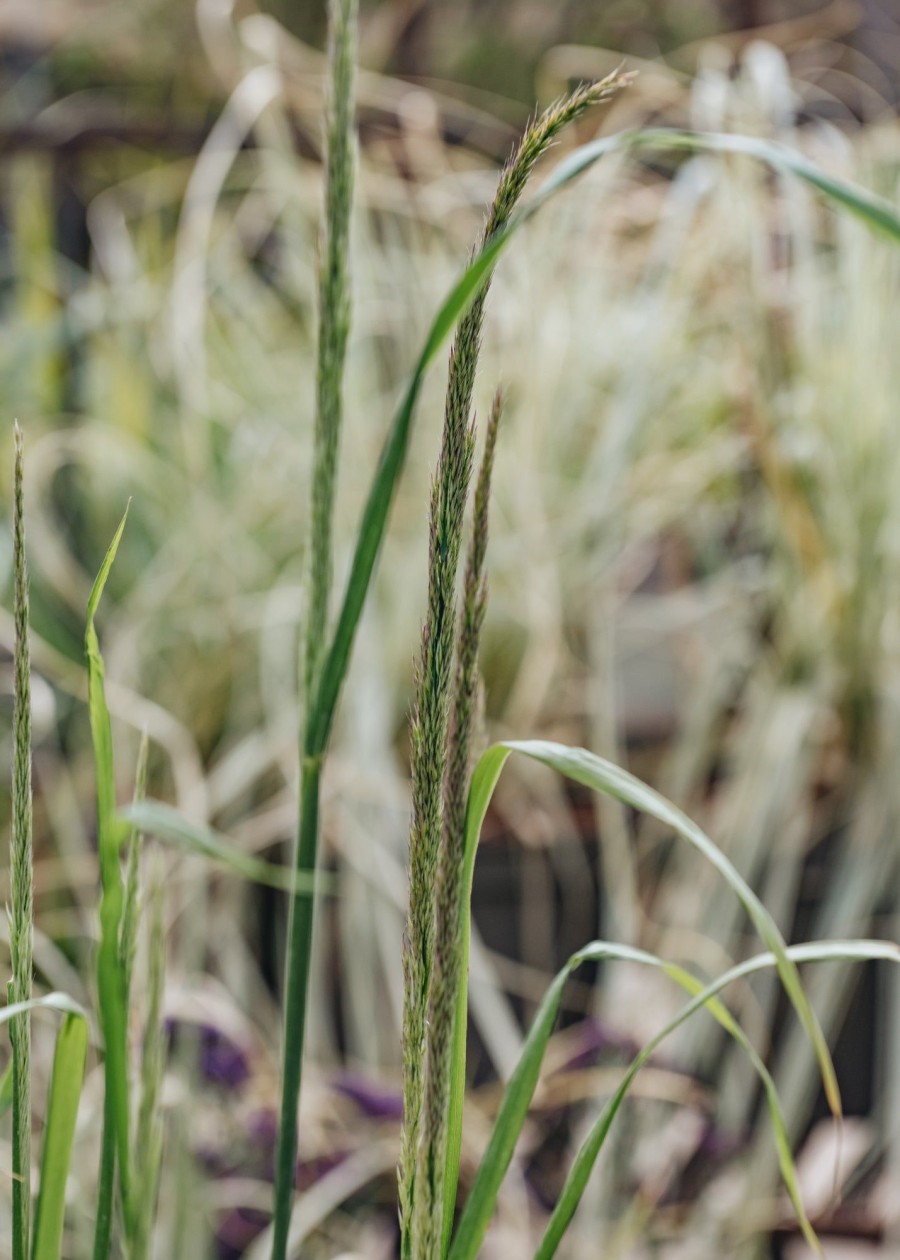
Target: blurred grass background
{"x":694,"y":570}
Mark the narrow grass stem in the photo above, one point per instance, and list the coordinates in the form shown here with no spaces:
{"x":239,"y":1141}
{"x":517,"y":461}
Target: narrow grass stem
{"x":21,"y":910}
{"x":106,"y":1180}
{"x":296,"y":988}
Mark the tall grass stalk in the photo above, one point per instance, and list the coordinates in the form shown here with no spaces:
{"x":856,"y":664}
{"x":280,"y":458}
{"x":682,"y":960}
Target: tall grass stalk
{"x":21,"y":909}
{"x":420,"y":1207}
{"x":334,"y":325}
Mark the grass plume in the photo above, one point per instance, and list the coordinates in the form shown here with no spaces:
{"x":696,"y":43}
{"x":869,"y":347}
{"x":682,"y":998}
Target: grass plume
{"x":21,"y":910}
{"x":431,"y":717}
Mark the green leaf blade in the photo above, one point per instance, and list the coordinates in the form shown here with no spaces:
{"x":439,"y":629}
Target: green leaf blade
{"x":155,"y":818}
{"x":592,"y":771}
{"x":62,"y":1111}
{"x":110,"y":975}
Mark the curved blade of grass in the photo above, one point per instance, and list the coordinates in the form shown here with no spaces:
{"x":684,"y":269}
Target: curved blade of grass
{"x":873,"y":210}
{"x":576,"y":1182}
{"x":49,"y":1002}
{"x":595,"y":772}
{"x":592,"y":771}
{"x":517,"y":1097}
{"x":110,"y":975}
{"x":62,"y":1112}
{"x":166,"y":823}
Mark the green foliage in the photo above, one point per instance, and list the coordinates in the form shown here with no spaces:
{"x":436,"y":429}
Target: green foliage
{"x":157,"y":819}
{"x":62,"y":1112}
{"x":520,"y":1090}
{"x":131,"y":911}
{"x":115,"y":1148}
{"x":148,"y":1138}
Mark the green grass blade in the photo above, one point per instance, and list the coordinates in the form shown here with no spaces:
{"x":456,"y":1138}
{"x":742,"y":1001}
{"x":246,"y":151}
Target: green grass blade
{"x":576,"y":1182}
{"x":517,"y":1097}
{"x":131,"y":910}
{"x":158,"y":819}
{"x":62,"y":1111}
{"x":601,"y":775}
{"x":60,"y":1002}
{"x":875,"y":211}
{"x":110,"y":974}
{"x":49,"y":1002}
{"x":149,"y":1126}
{"x":6,"y":1088}
{"x":482,"y":1199}
{"x":484,"y":780}
{"x":592,"y":771}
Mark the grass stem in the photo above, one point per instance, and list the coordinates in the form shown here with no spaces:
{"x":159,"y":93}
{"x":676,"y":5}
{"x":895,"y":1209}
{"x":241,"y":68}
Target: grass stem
{"x":21,"y":911}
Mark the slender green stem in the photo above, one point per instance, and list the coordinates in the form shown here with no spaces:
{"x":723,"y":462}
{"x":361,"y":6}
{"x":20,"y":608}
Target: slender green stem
{"x":107,"y":1180}
{"x":296,"y":987}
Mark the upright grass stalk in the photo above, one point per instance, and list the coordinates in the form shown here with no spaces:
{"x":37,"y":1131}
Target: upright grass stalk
{"x":420,"y":1219}
{"x":21,"y":909}
{"x":334,"y":325}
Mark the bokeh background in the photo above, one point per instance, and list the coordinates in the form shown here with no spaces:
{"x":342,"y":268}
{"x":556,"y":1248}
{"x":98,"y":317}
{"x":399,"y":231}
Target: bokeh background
{"x":694,"y":567}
